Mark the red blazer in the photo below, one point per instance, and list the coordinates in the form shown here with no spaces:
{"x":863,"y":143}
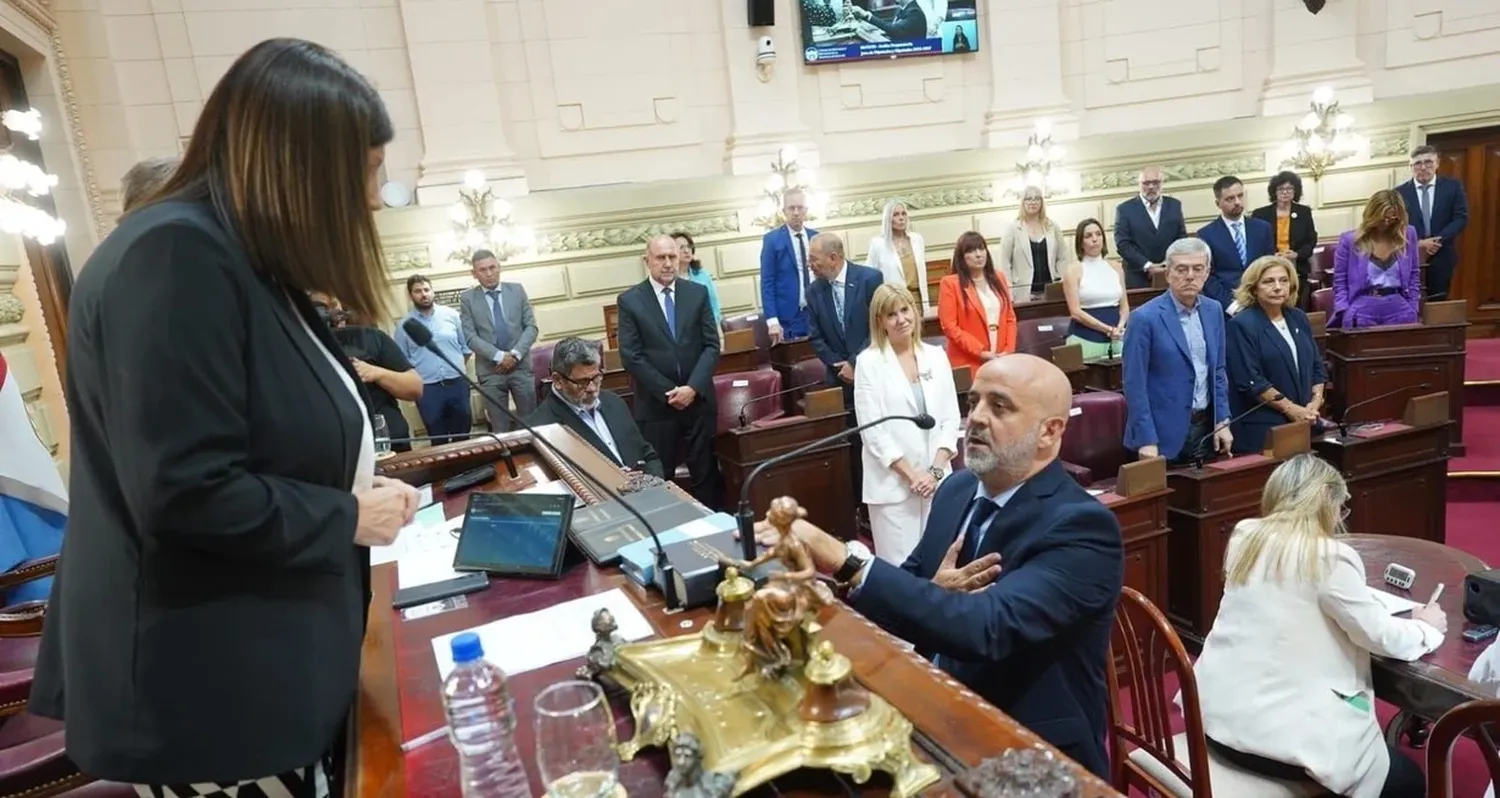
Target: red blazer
{"x":965,"y":327}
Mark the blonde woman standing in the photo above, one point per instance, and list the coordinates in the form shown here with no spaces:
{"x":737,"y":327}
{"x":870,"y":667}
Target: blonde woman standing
{"x":898,"y":374}
{"x":1031,"y":250}
{"x":1295,"y":593}
{"x":900,"y":254}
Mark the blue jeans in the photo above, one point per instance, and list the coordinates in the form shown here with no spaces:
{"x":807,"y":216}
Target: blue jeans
{"x":444,"y":408}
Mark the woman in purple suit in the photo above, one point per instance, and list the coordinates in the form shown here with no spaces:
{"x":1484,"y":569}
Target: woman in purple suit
{"x":1377,"y":279}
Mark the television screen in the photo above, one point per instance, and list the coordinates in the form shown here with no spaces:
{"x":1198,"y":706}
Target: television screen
{"x":852,"y":30}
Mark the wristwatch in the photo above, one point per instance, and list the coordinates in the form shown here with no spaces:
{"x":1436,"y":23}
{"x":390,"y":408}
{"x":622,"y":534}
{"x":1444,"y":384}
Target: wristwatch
{"x":936,"y":474}
{"x":856,"y":554}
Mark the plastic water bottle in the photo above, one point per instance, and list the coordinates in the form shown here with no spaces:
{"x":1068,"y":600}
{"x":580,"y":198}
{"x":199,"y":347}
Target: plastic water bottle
{"x":482,"y":724}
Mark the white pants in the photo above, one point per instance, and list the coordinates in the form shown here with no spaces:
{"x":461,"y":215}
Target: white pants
{"x":897,"y":528}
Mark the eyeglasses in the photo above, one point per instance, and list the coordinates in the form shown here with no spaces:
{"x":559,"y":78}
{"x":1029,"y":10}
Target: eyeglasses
{"x":591,"y":382}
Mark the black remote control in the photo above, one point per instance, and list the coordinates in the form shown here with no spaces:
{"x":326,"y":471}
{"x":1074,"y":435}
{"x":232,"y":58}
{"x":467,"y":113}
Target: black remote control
{"x":469,"y":479}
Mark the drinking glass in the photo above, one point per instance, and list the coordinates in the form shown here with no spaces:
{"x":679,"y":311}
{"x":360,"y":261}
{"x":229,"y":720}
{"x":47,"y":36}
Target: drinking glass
{"x":575,"y":741}
{"x":382,"y":435}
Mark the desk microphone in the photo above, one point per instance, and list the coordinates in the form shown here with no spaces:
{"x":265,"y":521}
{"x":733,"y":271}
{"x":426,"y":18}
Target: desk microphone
{"x":510,"y":459}
{"x":1344,"y":416}
{"x":746,"y":515}
{"x":745,"y":408}
{"x":422,"y":337}
{"x":1198,"y":447}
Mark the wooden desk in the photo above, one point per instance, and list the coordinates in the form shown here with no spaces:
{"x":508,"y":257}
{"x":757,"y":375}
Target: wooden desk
{"x":820,"y":478}
{"x":1397,"y":477}
{"x":1144,"y":531}
{"x":1104,"y":375}
{"x":1048,"y":308}
{"x":399,"y":695}
{"x":1366,"y":363}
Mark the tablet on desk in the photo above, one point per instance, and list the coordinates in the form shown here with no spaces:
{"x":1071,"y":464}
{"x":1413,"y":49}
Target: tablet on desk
{"x":515,"y":534}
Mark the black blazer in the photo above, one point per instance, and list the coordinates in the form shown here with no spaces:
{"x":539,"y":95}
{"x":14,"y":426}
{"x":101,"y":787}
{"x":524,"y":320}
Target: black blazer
{"x":633,"y":447}
{"x":209,"y":606}
{"x":842,"y":344}
{"x":1139,"y":242}
{"x":1258,"y":358}
{"x":1035,"y":642}
{"x":656,"y":361}
{"x":1303,"y":235}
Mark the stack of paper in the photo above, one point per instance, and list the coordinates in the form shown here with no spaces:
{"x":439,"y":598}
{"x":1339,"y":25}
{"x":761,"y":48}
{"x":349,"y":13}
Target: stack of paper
{"x":556,"y":634}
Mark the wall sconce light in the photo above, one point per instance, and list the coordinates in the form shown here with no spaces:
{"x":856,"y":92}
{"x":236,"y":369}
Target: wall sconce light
{"x":786,"y":177}
{"x":1043,"y":167}
{"x":481,"y":220}
{"x":1323,"y":138}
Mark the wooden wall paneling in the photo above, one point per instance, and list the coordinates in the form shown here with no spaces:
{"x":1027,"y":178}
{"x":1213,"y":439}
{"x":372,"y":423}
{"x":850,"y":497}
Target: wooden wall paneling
{"x":1473,"y":156}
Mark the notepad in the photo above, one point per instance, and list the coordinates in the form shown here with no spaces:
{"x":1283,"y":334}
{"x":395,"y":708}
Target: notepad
{"x":1392,"y":603}
{"x":556,"y":634}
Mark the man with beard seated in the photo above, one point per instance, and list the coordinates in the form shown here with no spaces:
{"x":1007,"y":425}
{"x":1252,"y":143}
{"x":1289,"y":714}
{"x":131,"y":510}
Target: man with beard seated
{"x":1012,"y":588}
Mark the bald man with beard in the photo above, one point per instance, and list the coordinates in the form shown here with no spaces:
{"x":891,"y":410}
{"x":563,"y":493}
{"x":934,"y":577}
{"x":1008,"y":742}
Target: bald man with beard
{"x":1012,"y":588}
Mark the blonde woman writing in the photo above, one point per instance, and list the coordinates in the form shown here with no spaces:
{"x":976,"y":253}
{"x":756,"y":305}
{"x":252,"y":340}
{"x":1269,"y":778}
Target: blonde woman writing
{"x":1284,"y":677}
{"x":1031,"y":250}
{"x":900,"y":254}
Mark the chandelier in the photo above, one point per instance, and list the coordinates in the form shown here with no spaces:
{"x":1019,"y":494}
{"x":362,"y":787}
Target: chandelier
{"x":481,"y":220}
{"x":20,"y":178}
{"x":1323,"y":137}
{"x":786,"y":177}
{"x":1043,"y":167}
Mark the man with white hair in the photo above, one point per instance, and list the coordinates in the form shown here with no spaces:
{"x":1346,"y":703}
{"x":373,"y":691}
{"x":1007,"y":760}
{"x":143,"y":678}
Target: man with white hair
{"x":1145,"y":226}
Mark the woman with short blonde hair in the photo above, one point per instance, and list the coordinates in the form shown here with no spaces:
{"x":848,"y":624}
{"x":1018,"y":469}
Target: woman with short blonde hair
{"x":1284,"y":676}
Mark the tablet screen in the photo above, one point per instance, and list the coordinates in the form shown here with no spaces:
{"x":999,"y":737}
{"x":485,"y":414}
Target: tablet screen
{"x":514,"y":534}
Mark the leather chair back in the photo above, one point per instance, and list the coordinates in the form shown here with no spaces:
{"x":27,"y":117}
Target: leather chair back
{"x":1321,"y":268}
{"x":747,"y":391}
{"x":1038,"y":336}
{"x":541,"y":367}
{"x":756,"y":322}
{"x":1093,"y":437}
{"x":1322,"y":299}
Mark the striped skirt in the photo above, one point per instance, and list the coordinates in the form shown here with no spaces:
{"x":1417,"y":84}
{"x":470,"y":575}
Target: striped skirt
{"x":310,"y":782}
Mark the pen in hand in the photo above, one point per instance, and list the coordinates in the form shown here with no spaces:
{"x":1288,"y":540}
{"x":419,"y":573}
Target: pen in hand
{"x":1437,"y":593}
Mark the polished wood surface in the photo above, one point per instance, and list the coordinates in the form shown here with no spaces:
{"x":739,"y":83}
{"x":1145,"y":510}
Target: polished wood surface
{"x":1104,"y":375}
{"x":1366,"y":363}
{"x":819,"y":478}
{"x":400,"y":700}
{"x":1397,"y":477}
{"x":1144,"y":531}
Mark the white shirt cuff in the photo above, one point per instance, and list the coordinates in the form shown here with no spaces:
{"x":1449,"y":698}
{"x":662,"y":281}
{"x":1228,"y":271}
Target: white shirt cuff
{"x":1431,"y":637}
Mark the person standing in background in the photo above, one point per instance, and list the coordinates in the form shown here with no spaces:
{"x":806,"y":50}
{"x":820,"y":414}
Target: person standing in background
{"x":444,"y":404}
{"x":1296,"y":235}
{"x":974,"y":306}
{"x":693,"y":269}
{"x":386,"y":373}
{"x":1031,"y":250}
{"x":1234,"y":240}
{"x":1439,"y":209}
{"x":900,"y":253}
{"x":838,"y":305}
{"x":784,"y":276}
{"x":499,"y":326}
{"x":144,"y":179}
{"x":1095,"y":292}
{"x":1144,"y":227}
{"x":1271,"y":351}
{"x":1377,"y":278}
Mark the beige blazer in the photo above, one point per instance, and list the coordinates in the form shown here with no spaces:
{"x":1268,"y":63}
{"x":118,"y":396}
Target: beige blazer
{"x":883,"y":256}
{"x":881,"y":389}
{"x":1015,"y":257}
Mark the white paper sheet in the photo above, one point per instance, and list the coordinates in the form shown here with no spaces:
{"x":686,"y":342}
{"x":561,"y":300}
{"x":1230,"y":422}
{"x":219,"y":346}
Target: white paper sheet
{"x":424,"y":495}
{"x":538,"y":639}
{"x":427,"y":554}
{"x":431,"y":515}
{"x":1392,"y":602}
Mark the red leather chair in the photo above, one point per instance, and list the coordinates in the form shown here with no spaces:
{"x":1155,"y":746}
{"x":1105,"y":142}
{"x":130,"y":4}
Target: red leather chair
{"x":1038,"y":336}
{"x":1092,"y":446}
{"x":1322,"y":299}
{"x":748,"y":393}
{"x":756,"y":322}
{"x":541,"y":367}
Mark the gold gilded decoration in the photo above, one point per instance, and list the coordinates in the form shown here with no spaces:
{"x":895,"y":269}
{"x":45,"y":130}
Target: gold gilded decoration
{"x":408,"y":260}
{"x":768,"y":697}
{"x":632,"y":235}
{"x":11,"y":309}
{"x":69,"y":100}
{"x":1212,"y":169}
{"x":919,"y":200}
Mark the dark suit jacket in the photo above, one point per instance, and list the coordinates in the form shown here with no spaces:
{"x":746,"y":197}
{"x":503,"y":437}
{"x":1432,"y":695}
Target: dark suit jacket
{"x":835,"y":343}
{"x":633,"y":448}
{"x":658,"y":362}
{"x":1450,"y":215}
{"x":909,"y":23}
{"x":210,"y":603}
{"x":1226,"y":267}
{"x":1035,"y":643}
{"x":1304,"y":236}
{"x":1139,"y":242}
{"x":1259,"y":359}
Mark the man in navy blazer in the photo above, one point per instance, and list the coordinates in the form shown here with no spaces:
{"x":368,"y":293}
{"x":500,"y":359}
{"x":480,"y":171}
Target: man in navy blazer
{"x":839,"y":330}
{"x":784,"y":273}
{"x":1176,"y":386}
{"x":1235,"y":239}
{"x":1144,"y":227}
{"x":1439,"y":209}
{"x":1031,"y":638}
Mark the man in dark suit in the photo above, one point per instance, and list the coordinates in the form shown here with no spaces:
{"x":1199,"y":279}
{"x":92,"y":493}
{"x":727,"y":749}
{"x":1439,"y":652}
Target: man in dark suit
{"x":1235,"y":241}
{"x":599,"y":417}
{"x":1144,"y":227}
{"x":499,"y":327}
{"x":1033,"y":638}
{"x":1439,"y":209}
{"x":669,"y":344}
{"x":908,"y":24}
{"x":784,"y":276}
{"x":838,"y":306}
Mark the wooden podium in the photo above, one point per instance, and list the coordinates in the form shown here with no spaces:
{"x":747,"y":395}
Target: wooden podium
{"x":1367,"y":363}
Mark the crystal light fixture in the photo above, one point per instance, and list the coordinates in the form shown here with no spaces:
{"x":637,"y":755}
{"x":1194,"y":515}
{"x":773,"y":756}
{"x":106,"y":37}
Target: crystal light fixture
{"x":481,"y":220}
{"x":786,"y":176}
{"x":1323,"y":137}
{"x":1043,"y":167}
{"x":19,"y":179}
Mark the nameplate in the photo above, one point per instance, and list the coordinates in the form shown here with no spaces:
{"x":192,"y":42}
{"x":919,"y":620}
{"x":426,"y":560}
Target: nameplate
{"x":1287,"y":440}
{"x":740,"y":384}
{"x":1068,"y":357}
{"x":1142,"y":476}
{"x":1236,"y":463}
{"x":1448,"y":312}
{"x":826,"y":402}
{"x":738,"y":341}
{"x":1075,"y":411}
{"x":1424,"y":411}
{"x":1044,"y":328}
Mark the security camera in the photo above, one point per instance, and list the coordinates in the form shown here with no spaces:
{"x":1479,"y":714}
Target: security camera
{"x":765,"y":51}
{"x":1314,"y":5}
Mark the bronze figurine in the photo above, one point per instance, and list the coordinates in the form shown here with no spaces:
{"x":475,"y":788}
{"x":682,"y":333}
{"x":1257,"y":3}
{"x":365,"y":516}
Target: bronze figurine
{"x":602,"y":654}
{"x":687,"y":778}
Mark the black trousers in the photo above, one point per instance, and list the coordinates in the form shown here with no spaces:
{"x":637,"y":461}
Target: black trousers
{"x":1439,"y":279}
{"x":1403,"y":780}
{"x":687,"y":436}
{"x":1198,"y":430}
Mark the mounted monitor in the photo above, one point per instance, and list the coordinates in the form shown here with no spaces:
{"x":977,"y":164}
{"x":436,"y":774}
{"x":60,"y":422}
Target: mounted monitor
{"x":856,"y":30}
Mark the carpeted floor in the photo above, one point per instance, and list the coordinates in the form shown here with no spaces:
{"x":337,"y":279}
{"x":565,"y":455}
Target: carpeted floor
{"x":1482,"y":361}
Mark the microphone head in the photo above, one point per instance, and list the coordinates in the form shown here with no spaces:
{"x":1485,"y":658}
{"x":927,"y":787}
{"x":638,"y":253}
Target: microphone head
{"x":417,"y":332}
{"x":925,"y":421}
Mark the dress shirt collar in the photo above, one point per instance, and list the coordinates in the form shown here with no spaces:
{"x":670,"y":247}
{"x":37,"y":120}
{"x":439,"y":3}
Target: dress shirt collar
{"x":659,"y":288}
{"x":586,"y":412}
{"x":1230,"y":223}
{"x":1182,"y":310}
{"x":1000,"y":499}
{"x":494,"y":290}
{"x":1147,"y":202}
{"x":1429,"y":184}
{"x":843,"y":270}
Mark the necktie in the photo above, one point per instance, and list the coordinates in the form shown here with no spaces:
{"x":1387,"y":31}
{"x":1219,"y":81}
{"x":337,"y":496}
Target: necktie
{"x":838,"y":301}
{"x":802,"y":266}
{"x":984,"y":509}
{"x":502,"y":330}
{"x":1426,"y":202}
{"x":1239,"y":240}
{"x":671,"y":308}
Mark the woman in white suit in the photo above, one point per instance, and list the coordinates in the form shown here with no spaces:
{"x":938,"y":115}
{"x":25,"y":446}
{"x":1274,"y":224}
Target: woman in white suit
{"x":1284,"y":677}
{"x":900,"y":375}
{"x":900,"y":253}
{"x":1031,"y":249}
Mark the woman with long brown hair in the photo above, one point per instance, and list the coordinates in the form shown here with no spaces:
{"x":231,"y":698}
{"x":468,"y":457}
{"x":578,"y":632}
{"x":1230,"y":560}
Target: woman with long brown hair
{"x":1377,"y":278}
{"x":974,"y":306}
{"x":206,"y":621}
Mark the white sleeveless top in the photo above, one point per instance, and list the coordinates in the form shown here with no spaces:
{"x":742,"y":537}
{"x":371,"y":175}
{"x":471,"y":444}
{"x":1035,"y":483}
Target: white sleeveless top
{"x":1098,"y":285}
{"x":364,"y":469}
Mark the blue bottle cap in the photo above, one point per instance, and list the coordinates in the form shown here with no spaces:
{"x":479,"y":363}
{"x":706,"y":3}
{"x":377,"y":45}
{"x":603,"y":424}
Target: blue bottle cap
{"x":466,"y":648}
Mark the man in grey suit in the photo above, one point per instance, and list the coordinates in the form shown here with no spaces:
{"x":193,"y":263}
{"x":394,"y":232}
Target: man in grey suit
{"x":500,"y":329}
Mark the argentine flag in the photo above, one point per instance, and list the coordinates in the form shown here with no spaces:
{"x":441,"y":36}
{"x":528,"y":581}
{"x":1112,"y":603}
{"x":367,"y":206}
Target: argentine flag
{"x":33,"y":500}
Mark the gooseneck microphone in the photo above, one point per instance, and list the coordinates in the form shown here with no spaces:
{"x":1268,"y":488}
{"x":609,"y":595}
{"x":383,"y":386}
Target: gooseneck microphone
{"x":422,"y":337}
{"x":1198,"y":447}
{"x":745,"y":408}
{"x":510,"y":460}
{"x":1344,"y":416}
{"x":746,"y":515}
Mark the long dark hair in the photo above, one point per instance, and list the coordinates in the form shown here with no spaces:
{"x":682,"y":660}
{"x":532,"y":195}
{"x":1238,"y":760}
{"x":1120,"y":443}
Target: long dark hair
{"x":968,"y":242}
{"x":282,"y":152}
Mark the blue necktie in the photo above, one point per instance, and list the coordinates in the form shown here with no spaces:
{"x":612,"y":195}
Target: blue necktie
{"x":502,"y":330}
{"x":671,"y":308}
{"x":984,"y":509}
{"x":838,"y":302}
{"x":1238,"y":228}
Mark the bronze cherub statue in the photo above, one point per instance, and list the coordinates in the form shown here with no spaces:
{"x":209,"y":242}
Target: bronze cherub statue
{"x":601,"y":656}
{"x":687,"y":778}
